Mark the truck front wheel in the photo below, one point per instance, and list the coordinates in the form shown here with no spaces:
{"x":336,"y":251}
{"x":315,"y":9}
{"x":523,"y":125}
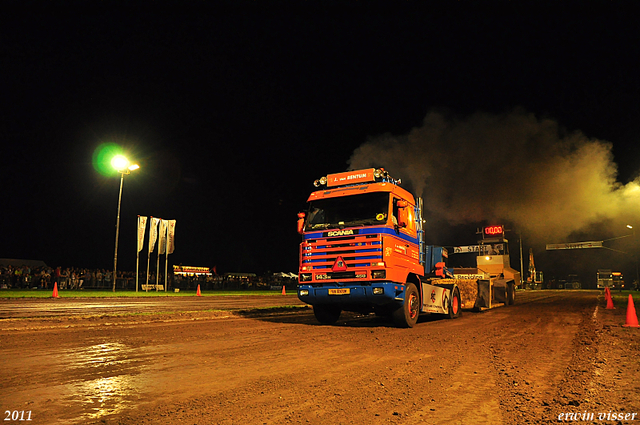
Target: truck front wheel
{"x":327,"y":315}
{"x":454,"y":304}
{"x":407,"y":315}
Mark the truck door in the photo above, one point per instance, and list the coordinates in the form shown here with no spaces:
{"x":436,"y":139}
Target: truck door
{"x":405,"y":242}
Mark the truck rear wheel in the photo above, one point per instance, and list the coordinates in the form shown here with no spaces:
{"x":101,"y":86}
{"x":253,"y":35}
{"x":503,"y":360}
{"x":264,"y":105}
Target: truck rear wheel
{"x":407,"y":315}
{"x":454,"y":304}
{"x":327,"y":315}
{"x":511,"y":293}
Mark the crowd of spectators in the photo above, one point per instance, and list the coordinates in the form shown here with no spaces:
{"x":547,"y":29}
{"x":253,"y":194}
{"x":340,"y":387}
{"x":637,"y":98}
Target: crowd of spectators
{"x":44,"y":277}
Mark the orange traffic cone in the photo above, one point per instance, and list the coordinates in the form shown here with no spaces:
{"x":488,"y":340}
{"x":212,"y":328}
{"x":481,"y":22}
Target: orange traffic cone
{"x":55,"y":290}
{"x":283,"y":291}
{"x":198,"y":293}
{"x":610,"y":305}
{"x":632,"y":317}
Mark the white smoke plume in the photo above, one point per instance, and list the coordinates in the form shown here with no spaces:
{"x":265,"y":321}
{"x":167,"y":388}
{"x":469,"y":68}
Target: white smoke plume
{"x":515,"y":168}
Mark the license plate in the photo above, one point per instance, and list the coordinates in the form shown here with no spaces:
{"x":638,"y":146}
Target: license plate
{"x":340,"y":291}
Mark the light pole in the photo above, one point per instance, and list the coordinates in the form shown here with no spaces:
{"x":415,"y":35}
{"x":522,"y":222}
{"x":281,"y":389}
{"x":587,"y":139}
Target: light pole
{"x":635,"y":254}
{"x":521,"y":263}
{"x":122,"y":165}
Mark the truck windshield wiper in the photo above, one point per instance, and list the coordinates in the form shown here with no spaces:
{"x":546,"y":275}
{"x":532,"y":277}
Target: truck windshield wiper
{"x":361,"y":222}
{"x":320,"y":225}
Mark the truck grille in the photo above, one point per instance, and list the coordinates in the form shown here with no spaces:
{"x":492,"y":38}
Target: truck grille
{"x":356,"y":251}
{"x":342,"y":275}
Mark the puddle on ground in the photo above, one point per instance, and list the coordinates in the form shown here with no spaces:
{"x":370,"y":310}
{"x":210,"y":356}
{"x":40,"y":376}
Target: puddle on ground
{"x":113,"y":355}
{"x":106,"y":396}
{"x":102,"y":379}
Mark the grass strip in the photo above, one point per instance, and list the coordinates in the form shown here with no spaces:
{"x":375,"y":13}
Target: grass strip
{"x":96,"y":293}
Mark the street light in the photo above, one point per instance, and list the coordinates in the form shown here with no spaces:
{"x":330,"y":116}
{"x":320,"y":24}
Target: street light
{"x":123,"y":166}
{"x":635,"y":254}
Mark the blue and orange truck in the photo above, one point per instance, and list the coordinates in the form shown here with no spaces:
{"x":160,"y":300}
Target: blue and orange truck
{"x":363,"y":250}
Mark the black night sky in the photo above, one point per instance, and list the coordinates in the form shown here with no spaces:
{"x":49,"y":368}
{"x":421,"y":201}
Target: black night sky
{"x":233,"y":109}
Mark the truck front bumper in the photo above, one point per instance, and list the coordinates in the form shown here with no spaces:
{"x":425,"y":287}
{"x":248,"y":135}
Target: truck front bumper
{"x":352,"y":294}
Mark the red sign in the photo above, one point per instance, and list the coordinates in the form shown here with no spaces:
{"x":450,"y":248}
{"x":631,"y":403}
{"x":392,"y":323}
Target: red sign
{"x":494,"y":230}
{"x":339,"y":265}
{"x":187,"y":270}
{"x":350,"y":177}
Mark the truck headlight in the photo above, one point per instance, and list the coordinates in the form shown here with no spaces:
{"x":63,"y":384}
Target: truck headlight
{"x":378,"y":291}
{"x":304,"y":292}
{"x":378,"y":274}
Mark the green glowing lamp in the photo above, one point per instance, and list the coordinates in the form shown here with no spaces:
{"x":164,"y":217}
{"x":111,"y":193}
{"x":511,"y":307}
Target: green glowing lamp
{"x":120,"y":163}
{"x":102,"y":158}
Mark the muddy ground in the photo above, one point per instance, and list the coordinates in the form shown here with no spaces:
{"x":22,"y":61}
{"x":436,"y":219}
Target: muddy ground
{"x":553,"y":353}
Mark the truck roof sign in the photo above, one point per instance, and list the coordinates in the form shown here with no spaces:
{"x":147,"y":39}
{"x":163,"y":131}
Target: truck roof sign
{"x":350,"y":177}
{"x":494,"y":230}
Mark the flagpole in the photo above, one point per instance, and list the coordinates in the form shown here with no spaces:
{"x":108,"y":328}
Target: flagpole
{"x":158,"y":266}
{"x":150,"y":250}
{"x":166,"y":266}
{"x":166,"y":258}
{"x":171,"y":227}
{"x":137,"y":268}
{"x":148,"y":258}
{"x":138,"y":253}
{"x":161,"y":247}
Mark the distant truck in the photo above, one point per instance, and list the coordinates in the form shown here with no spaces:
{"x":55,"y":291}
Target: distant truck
{"x":363,"y":250}
{"x":604,"y":278}
{"x":573,"y":282}
{"x":618,"y":280}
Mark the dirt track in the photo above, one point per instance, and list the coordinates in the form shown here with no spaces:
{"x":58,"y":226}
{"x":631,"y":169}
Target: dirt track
{"x":553,"y":352}
{"x":11,"y":308}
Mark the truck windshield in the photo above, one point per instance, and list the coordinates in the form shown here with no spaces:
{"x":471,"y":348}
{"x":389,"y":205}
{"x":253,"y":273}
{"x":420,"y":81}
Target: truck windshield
{"x":358,"y":210}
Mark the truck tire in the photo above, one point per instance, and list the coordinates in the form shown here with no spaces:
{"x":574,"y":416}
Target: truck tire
{"x":511,"y":293}
{"x":327,"y":315}
{"x":455,"y":304}
{"x":407,"y":315}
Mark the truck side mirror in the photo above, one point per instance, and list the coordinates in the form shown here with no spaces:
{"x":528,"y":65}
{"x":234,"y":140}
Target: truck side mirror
{"x":403,"y":214}
{"x":301,"y":217}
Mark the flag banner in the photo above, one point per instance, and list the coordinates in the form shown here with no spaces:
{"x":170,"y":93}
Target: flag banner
{"x":577,"y":245}
{"x":171,"y":233}
{"x":142,"y":226}
{"x":484,"y":249}
{"x":466,"y":249}
{"x":153,"y":233}
{"x":162,"y":237}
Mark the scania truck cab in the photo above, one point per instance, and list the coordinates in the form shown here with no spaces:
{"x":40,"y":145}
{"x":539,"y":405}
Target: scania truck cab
{"x":363,"y":251}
